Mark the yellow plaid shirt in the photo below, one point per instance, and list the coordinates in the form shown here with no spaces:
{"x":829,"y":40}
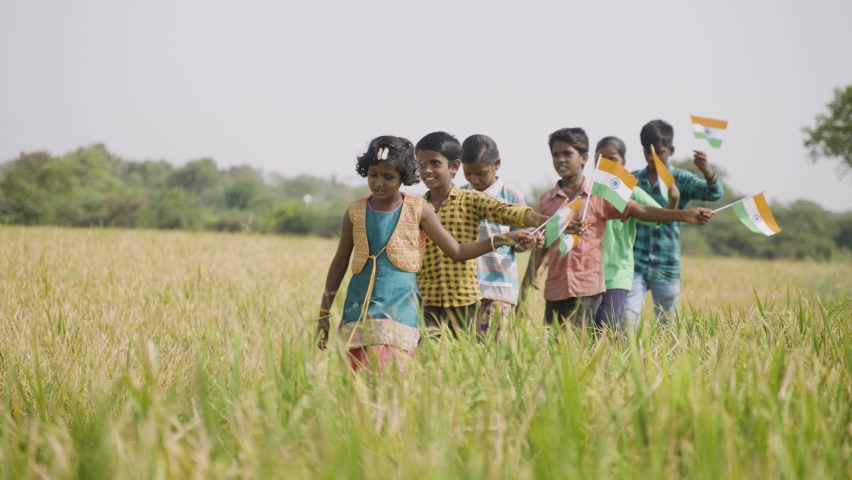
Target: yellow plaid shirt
{"x":443,"y":282}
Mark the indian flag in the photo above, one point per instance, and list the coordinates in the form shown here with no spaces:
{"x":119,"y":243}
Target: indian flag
{"x":664,"y":178}
{"x":567,"y":242}
{"x":754,"y":213}
{"x":708,"y":131}
{"x":614,"y":183}
{"x":557,"y":223}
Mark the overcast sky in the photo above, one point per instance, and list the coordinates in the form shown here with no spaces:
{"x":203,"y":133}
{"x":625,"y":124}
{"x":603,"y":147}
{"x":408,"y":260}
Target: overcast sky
{"x":301,"y":87}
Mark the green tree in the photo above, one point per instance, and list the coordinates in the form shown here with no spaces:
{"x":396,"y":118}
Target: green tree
{"x":195,"y":177}
{"x":242,"y":193}
{"x":832,"y":135}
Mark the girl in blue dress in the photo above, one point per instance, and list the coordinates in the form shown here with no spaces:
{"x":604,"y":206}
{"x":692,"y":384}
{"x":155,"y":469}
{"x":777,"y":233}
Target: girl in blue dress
{"x":384,"y":235}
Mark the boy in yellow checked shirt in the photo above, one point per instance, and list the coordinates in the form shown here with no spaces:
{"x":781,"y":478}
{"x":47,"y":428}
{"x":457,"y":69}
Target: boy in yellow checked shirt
{"x":450,"y":290}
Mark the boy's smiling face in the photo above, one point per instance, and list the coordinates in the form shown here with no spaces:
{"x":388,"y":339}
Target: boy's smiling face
{"x":567,"y":161}
{"x":435,"y":170}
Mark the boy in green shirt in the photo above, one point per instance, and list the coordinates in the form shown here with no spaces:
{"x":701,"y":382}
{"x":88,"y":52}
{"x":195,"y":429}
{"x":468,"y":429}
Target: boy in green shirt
{"x":618,"y":243}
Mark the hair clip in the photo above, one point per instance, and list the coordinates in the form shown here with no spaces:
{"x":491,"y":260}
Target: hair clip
{"x":383,"y":153}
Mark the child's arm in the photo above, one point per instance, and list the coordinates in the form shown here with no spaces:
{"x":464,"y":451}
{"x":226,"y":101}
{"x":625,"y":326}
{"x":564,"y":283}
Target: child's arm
{"x":694,"y":188}
{"x":336,"y":272}
{"x":490,"y":208}
{"x":695,"y":216}
{"x":459,"y":252}
{"x":644,"y":198}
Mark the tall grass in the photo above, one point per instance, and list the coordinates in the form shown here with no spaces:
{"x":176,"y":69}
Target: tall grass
{"x":134,"y":354}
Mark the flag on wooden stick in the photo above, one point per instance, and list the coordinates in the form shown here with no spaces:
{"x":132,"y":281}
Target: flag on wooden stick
{"x":708,"y":132}
{"x":664,"y":178}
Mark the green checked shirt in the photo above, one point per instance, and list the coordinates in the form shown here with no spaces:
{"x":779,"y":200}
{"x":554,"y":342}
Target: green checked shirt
{"x":656,"y":253}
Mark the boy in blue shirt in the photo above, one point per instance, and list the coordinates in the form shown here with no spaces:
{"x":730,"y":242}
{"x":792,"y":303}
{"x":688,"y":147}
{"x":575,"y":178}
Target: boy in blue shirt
{"x":656,"y":251}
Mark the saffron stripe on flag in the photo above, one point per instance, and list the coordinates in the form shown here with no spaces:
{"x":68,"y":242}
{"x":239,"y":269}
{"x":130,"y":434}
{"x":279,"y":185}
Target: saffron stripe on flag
{"x":665,"y":179}
{"x":613,"y":168}
{"x":710,"y":122}
{"x":765,"y":213}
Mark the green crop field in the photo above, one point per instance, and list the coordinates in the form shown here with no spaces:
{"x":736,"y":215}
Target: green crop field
{"x":142,"y":354}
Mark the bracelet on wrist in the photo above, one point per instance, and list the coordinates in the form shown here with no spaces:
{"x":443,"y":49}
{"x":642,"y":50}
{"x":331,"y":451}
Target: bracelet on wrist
{"x":492,"y":244}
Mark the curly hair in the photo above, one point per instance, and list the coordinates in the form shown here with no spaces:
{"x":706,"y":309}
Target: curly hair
{"x":401,"y":154}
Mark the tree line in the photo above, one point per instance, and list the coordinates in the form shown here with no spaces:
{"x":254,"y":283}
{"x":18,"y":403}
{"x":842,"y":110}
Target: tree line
{"x":93,"y":187}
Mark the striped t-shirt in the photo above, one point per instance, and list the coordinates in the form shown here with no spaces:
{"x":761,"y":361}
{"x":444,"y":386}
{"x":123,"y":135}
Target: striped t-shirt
{"x":498,"y":271}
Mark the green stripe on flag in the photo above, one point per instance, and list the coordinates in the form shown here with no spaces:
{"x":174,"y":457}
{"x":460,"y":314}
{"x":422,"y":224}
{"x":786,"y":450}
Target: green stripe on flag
{"x":551,"y":231}
{"x":563,"y":246}
{"x":714,"y":142}
{"x":609,"y":195}
{"x":744,"y":217}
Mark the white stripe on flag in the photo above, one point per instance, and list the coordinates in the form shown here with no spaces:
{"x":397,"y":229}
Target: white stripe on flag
{"x":615,"y":183}
{"x":710,"y":132}
{"x":755,"y":217}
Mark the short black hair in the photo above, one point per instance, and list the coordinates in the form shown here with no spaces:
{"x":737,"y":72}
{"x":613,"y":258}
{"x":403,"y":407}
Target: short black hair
{"x":576,"y":137}
{"x":658,"y":133}
{"x":479,"y":149}
{"x":615,"y":143}
{"x":400,"y":153}
{"x":443,"y":143}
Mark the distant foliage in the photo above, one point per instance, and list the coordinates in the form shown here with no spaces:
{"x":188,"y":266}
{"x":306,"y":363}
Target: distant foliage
{"x":93,"y":187}
{"x":808,"y":230}
{"x":831,"y":137}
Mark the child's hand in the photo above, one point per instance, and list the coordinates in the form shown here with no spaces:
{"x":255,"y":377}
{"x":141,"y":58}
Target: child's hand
{"x":322,"y":331}
{"x":576,"y":228}
{"x":516,"y":237}
{"x":698,"y":215}
{"x":702,"y":163}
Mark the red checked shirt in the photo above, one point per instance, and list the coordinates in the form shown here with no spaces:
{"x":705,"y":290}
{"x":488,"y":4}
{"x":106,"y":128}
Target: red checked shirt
{"x":580,"y":273}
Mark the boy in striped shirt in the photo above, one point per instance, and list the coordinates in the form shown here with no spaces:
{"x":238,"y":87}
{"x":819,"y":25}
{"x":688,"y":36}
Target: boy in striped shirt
{"x":497,"y":271}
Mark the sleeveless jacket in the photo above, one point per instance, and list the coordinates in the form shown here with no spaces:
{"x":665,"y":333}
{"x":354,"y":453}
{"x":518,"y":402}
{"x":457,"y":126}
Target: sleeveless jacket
{"x":406,"y":245}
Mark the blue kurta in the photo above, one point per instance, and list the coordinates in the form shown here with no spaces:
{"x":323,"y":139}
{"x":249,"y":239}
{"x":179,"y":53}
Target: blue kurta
{"x":393,"y":316}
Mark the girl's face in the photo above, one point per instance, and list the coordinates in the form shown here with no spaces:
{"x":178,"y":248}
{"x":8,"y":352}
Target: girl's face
{"x":384,"y":180}
{"x":435,"y":170}
{"x":567,"y":161}
{"x":609,"y":152}
{"x":480,"y":175}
